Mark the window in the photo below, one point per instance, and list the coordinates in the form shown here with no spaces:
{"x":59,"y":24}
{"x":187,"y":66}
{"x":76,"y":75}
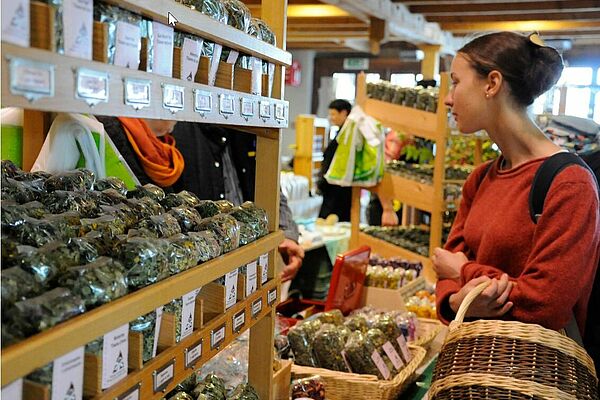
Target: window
{"x":373,"y":78}
{"x":578,"y":101}
{"x":576,"y":76}
{"x":597,"y":105}
{"x":403,"y":79}
{"x":344,"y":85}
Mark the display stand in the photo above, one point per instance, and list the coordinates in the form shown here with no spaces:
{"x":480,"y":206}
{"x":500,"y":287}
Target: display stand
{"x":311,"y":141}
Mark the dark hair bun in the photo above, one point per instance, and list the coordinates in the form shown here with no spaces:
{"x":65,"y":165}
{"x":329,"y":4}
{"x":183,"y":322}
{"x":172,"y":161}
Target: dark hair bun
{"x":545,"y":70}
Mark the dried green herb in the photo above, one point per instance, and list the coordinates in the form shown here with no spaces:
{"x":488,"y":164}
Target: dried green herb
{"x":255,"y":219}
{"x":145,"y":263}
{"x":34,"y":209}
{"x":247,"y":234}
{"x":103,"y":242}
{"x":378,"y":338}
{"x":13,"y":216}
{"x":207,"y":208}
{"x":61,"y":255}
{"x":259,"y":215}
{"x":106,"y":223}
{"x":266,"y":34}
{"x":9,"y":169}
{"x":301,"y":341}
{"x":327,"y":348}
{"x":390,"y":329}
{"x":35,"y":263}
{"x":358,"y":351}
{"x":244,"y":391}
{"x":207,"y":243}
{"x":187,"y":217}
{"x":9,"y":251}
{"x":226,"y":229}
{"x":60,"y":201}
{"x":145,"y":207}
{"x":87,"y":252}
{"x":212,"y":8}
{"x":180,"y":396}
{"x":334,"y":317}
{"x":357,"y":323}
{"x":111,"y":182}
{"x":107,"y":197}
{"x":21,"y":192}
{"x":78,"y":180}
{"x":146,"y":325}
{"x":212,"y":387}
{"x":122,"y":212}
{"x":9,"y":336}
{"x":42,"y":375}
{"x":185,"y":253}
{"x":175,"y":307}
{"x":224,"y":206}
{"x":164,"y":225}
{"x":239,"y":14}
{"x":17,"y":285}
{"x":148,"y":190}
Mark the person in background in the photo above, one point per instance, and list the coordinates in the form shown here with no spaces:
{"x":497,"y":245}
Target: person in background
{"x":221,"y":165}
{"x":336,"y":199}
{"x":148,"y":148}
{"x":540,"y":272}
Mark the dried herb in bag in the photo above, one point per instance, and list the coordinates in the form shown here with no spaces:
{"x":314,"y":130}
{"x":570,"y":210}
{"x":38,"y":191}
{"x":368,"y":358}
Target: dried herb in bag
{"x":301,"y":341}
{"x":104,"y":243}
{"x":123,"y":213}
{"x":111,"y":182}
{"x":13,"y":216}
{"x":42,"y":375}
{"x":164,"y":225}
{"x":311,"y":387}
{"x":356,"y":323}
{"x":148,"y":190}
{"x":212,"y":8}
{"x":10,"y":252}
{"x":145,"y":207}
{"x":144,"y":262}
{"x":239,"y":14}
{"x":390,"y":329}
{"x":224,"y":206}
{"x":112,"y":16}
{"x":212,"y":387}
{"x":21,"y":192}
{"x":107,"y":197}
{"x":207,"y":208}
{"x":38,"y":232}
{"x":34,"y":209}
{"x":185,"y":252}
{"x":146,"y":325}
{"x":9,"y":169}
{"x":180,"y":396}
{"x":77,"y":180}
{"x":247,"y":234}
{"x":226,"y":230}
{"x":87,"y":252}
{"x":61,"y":255}
{"x":259,"y":215}
{"x":106,"y":223}
{"x":17,"y":285}
{"x":9,"y":335}
{"x":328,"y":346}
{"x":98,"y":282}
{"x":60,"y":201}
{"x":207,"y":243}
{"x":175,"y":307}
{"x":378,"y":338}
{"x":334,"y":317}
{"x":187,"y":217}
{"x":244,"y":391}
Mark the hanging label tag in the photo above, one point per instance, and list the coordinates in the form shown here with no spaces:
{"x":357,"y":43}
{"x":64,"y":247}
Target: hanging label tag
{"x":67,"y":376}
{"x":232,"y":57}
{"x":393,"y":355}
{"x":272,"y":296}
{"x":190,"y":58}
{"x":31,"y":79}
{"x":77,"y":23}
{"x":128,"y":45}
{"x":193,"y":354}
{"x":173,"y":97}
{"x":131,"y":394}
{"x":187,"y":314}
{"x":91,"y":86}
{"x":279,"y":111}
{"x":158,"y":322}
{"x":406,"y":354}
{"x":239,"y":320}
{"x":13,"y":391}
{"x":251,"y":278}
{"x":217,"y":336}
{"x":226,"y":105}
{"x":163,"y":376}
{"x":346,"y":361}
{"x":15,"y":22}
{"x":247,"y":107}
{"x":115,"y":356}
{"x":231,"y":288}
{"x":202,"y":101}
{"x":256,"y":79}
{"x":163,"y":36}
{"x":265,"y":109}
{"x":263,"y":261}
{"x":137,"y":92}
{"x":214,"y":64}
{"x":256,"y":307}
{"x":271,"y":72}
{"x":385,"y":372}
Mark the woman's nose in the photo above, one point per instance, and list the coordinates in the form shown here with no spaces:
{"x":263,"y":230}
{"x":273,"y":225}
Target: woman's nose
{"x":448,"y":101}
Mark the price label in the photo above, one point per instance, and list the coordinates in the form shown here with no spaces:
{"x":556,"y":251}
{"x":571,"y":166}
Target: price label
{"x":251,"y":278}
{"x":115,"y":356}
{"x":202,"y":101}
{"x":279,"y":111}
{"x":137,"y":92}
{"x":263,"y":261}
{"x":226,"y":106}
{"x":247,"y":107}
{"x":217,"y":336}
{"x":231,"y":280}
{"x":256,"y":307}
{"x":193,"y":354}
{"x":385,"y":372}
{"x":157,"y":325}
{"x":67,"y":376}
{"x":272,"y":296}
{"x":13,"y":391}
{"x":91,"y":86}
{"x":131,"y":394}
{"x":31,"y":79}
{"x":239,"y":320}
{"x":173,"y":97}
{"x":15,"y":24}
{"x":404,"y":348}
{"x":393,"y":355}
{"x":163,"y":376}
{"x":187,"y":314}
{"x":265,"y":110}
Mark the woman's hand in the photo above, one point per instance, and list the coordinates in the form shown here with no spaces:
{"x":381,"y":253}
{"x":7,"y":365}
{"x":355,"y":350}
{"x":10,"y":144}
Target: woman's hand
{"x":389,"y":218}
{"x":448,"y":265}
{"x":491,"y":303}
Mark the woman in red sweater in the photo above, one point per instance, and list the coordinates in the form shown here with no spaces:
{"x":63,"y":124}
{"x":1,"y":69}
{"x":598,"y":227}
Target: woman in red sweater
{"x":540,"y":273}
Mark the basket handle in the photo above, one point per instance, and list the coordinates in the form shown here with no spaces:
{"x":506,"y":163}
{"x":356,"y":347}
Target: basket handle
{"x":469,"y":298}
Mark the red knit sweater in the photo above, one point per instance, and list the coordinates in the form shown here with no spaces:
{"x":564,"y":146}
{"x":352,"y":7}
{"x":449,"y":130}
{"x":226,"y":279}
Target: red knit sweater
{"x":552,"y":262}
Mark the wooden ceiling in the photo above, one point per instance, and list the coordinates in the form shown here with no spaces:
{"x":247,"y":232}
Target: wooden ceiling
{"x":575,"y":20}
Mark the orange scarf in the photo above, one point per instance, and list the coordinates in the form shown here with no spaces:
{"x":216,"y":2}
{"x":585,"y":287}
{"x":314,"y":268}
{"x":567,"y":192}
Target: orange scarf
{"x":160,"y":159}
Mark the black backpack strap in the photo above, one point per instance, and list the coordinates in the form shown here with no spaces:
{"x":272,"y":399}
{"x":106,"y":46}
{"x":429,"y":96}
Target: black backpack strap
{"x":543,"y":179}
{"x":485,"y":172}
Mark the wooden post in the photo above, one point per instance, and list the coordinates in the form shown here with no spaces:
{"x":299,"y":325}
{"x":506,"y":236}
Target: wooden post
{"x":562,"y":105}
{"x":376,"y":34}
{"x":304,"y":146}
{"x":430,"y":65}
{"x":35,"y":128}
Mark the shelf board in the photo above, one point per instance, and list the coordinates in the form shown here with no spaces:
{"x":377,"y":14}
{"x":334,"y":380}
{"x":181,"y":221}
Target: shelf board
{"x":207,"y":28}
{"x":65,"y":87}
{"x":22,"y":358}
{"x":177,"y":352}
{"x":407,"y":191}
{"x":405,"y":119}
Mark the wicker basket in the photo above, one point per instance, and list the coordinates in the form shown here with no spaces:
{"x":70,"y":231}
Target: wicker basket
{"x":492,"y":359}
{"x":344,"y":385}
{"x":428,"y":330}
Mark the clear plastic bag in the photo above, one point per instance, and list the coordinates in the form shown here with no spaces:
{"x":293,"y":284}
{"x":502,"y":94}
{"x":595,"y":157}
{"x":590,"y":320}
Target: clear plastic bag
{"x":21,"y":192}
{"x":180,"y":396}
{"x":358,"y":352}
{"x":111,"y":16}
{"x":77,"y":180}
{"x":145,"y":207}
{"x":334,"y":317}
{"x":104,"y":243}
{"x":163,"y":226}
{"x":379,"y":339}
{"x":207,"y":243}
{"x":122,"y":212}
{"x":17,"y":285}
{"x":224,"y":206}
{"x":107,"y":223}
{"x":9,"y":169}
{"x":239,"y":14}
{"x":183,"y":198}
{"x":207,"y":208}
{"x":301,"y":341}
{"x":60,"y":201}
{"x":356,"y":323}
{"x":259,"y":215}
{"x":145,"y":263}
{"x":111,"y":182}
{"x":212,"y":8}
{"x":226,"y":230}
{"x":187,"y":217}
{"x":212,"y":387}
{"x":311,"y":387}
{"x":148,"y":190}
{"x":328,"y":346}
{"x":35,"y":263}
{"x":185,"y":252}
{"x":146,"y":325}
{"x":244,"y":391}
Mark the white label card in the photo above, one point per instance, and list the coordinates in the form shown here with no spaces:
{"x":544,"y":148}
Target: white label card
{"x":231,"y":288}
{"x":393,"y":355}
{"x":193,"y":354}
{"x":162,"y":40}
{"x":214,"y":64}
{"x":265,"y":110}
{"x":279,"y":111}
{"x":187,"y":314}
{"x":78,"y":20}
{"x":226,"y":105}
{"x":272,"y":296}
{"x":31,"y":79}
{"x":173,"y":97}
{"x":406,"y":354}
{"x":131,"y":394}
{"x":256,"y":307}
{"x":239,"y":320}
{"x":263,"y":261}
{"x":127,"y":48}
{"x":14,"y":390}
{"x":163,"y":376}
{"x":251,"y":278}
{"x":217,"y":336}
{"x":190,"y":58}
{"x":92,"y":86}
{"x":137,"y":92}
{"x":256,"y":65}
{"x":232,"y":57}
{"x":15,"y":22}
{"x":115,"y":356}
{"x":159,"y":314}
{"x":202,"y":101}
{"x":271,"y":72}
{"x":385,"y":372}
{"x":247,"y":107}
{"x":67,"y":376}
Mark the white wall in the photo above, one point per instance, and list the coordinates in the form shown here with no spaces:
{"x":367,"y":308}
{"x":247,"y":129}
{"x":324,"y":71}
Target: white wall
{"x":300,"y":98}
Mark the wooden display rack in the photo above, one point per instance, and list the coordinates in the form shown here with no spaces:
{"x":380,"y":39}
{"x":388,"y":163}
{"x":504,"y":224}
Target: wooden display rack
{"x":269,"y":116}
{"x":312,"y":137}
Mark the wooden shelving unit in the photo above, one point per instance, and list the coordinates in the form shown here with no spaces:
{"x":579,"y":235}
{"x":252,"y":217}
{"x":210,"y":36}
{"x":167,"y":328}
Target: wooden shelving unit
{"x":311,"y":142}
{"x":268,"y":115}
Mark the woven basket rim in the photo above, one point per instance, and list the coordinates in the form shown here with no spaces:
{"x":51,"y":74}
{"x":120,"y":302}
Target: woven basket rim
{"x":436,"y":328}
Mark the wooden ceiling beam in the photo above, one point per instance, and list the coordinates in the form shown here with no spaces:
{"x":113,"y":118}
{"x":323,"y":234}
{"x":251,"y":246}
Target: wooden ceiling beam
{"x":547,"y":16}
{"x":333,"y":30}
{"x":522,"y":6}
{"x":465,"y":2}
{"x":525,"y":26}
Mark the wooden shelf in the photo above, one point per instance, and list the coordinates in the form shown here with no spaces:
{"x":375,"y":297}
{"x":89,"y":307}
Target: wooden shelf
{"x":406,"y":120}
{"x":407,"y":191}
{"x":22,"y":358}
{"x":144,"y":377}
{"x":64,"y":100}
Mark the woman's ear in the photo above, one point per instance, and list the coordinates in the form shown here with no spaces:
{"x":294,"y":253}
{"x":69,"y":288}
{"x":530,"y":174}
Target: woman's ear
{"x":494,"y":84}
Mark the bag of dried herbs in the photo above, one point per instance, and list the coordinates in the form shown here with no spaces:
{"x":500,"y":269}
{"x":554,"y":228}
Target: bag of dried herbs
{"x":212,"y":387}
{"x":187,"y":217}
{"x":358,"y":352}
{"x":9,"y":335}
{"x":87,"y":252}
{"x":122,"y":212}
{"x":311,"y":387}
{"x":180,"y":396}
{"x":10,"y":251}
{"x":334,"y":317}
{"x":164,"y":225}
{"x":145,"y":207}
{"x":207,"y":243}
{"x":42,"y":375}
{"x":45,"y":311}
{"x":387,"y":324}
{"x":60,"y":201}
{"x":110,"y":224}
{"x":226,"y":230}
{"x":77,"y":180}
{"x":13,"y":216}
{"x":344,"y":333}
{"x":301,"y":341}
{"x":68,"y":224}
{"x":212,"y":8}
{"x":21,"y":192}
{"x":8,"y":169}
{"x":146,"y":326}
{"x":250,"y":221}
{"x":180,"y":199}
{"x":224,"y":206}
{"x":145,"y":263}
{"x":207,"y":208}
{"x":239,"y":14}
{"x":104,"y":243}
{"x":114,"y":17}
{"x":148,"y":190}
{"x":33,"y":209}
{"x":97,"y":283}
{"x":259,"y":215}
{"x":31,"y":260}
{"x":175,"y":307}
{"x":111,"y":182}
{"x":244,"y":391}
{"x":247,"y":234}
{"x":356,"y":323}
{"x":378,"y":338}
{"x":61,"y":255}
{"x":17,"y":285}
{"x":327,"y":348}
{"x":185,"y":252}
{"x":107,"y":197}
